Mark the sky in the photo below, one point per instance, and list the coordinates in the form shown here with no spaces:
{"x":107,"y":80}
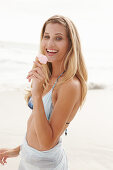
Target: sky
{"x":22,"y":20}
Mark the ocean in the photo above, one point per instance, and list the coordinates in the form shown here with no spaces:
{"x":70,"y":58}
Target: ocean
{"x":16,"y":60}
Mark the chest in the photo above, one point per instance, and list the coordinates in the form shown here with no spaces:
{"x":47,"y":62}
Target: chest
{"x":54,"y":94}
{"x":49,"y":99}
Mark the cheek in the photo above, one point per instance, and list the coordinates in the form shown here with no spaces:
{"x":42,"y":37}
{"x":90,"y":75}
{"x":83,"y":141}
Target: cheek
{"x":64,"y":47}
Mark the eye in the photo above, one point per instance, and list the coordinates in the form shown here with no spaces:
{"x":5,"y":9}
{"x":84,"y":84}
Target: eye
{"x":58,"y":38}
{"x":46,"y":36}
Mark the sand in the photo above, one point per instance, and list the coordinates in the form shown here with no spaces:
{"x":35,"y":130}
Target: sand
{"x":89,"y":143}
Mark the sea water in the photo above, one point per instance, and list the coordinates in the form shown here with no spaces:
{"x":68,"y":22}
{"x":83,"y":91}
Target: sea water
{"x":16,"y":59}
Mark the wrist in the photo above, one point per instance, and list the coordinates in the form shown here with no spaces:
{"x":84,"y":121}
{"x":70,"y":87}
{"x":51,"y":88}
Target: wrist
{"x":36,"y":100}
{"x":17,"y":150}
{"x":36,"y":96}
{"x":37,"y":93}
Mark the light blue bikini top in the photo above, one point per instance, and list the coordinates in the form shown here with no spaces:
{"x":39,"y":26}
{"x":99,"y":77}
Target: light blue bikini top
{"x":47,"y":102}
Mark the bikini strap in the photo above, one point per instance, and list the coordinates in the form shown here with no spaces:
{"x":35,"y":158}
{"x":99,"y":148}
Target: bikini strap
{"x":57,"y":80}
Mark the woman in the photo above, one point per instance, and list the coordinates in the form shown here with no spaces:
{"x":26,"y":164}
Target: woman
{"x":58,"y":89}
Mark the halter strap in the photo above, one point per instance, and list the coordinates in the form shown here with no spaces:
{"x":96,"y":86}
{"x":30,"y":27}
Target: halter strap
{"x":57,"y":80}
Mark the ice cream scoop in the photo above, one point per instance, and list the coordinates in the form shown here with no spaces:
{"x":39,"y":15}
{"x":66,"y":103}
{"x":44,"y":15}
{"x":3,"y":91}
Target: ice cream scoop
{"x":42,"y":58}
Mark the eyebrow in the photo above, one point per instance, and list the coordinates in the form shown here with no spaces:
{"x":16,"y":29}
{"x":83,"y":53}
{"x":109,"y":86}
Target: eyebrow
{"x":55,"y":34}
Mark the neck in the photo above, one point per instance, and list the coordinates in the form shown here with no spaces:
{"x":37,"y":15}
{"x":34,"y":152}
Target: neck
{"x":56,"y":71}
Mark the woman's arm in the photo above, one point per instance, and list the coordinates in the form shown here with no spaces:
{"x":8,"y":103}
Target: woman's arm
{"x":8,"y":153}
{"x":48,"y":132}
{"x":41,"y":124}
{"x":16,"y":151}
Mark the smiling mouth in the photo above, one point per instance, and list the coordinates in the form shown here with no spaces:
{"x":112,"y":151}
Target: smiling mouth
{"x":51,"y":52}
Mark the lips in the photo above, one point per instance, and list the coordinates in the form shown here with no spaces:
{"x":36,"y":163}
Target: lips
{"x":54,"y":51}
{"x":51,"y":51}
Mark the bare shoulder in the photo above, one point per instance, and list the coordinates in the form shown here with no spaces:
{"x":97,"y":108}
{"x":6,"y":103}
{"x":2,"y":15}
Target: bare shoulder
{"x":73,"y":84}
{"x":71,"y":88}
{"x":66,"y":106}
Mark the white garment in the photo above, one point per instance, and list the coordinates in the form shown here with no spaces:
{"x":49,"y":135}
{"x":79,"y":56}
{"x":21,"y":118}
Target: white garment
{"x":52,"y":159}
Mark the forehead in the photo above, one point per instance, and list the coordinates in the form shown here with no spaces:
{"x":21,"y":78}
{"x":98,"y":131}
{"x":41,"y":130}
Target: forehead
{"x":54,"y":28}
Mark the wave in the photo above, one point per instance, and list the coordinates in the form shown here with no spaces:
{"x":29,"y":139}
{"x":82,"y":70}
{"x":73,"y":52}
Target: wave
{"x":11,"y":44}
{"x":22,"y":86}
{"x":4,"y":61}
{"x":18,"y":58}
{"x":97,"y":86}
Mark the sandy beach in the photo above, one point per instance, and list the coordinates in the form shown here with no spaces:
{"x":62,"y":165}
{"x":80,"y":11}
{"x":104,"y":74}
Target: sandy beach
{"x":89,"y":143}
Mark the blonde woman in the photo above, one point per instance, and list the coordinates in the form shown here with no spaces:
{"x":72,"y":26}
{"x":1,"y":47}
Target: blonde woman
{"x":58,"y":90}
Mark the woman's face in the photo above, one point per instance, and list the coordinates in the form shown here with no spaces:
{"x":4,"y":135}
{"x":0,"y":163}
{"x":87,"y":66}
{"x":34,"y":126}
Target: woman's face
{"x":55,"y":43}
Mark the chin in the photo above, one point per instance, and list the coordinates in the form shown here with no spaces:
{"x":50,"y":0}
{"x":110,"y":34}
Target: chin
{"x":50,"y":59}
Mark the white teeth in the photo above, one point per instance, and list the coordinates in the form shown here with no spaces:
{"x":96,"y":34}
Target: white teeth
{"x":54,"y":51}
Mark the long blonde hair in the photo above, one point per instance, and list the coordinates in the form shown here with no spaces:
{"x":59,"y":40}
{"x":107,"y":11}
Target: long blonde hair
{"x":74,"y":64}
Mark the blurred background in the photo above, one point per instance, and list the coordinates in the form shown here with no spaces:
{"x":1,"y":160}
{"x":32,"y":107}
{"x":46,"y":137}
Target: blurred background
{"x":89,"y":143}
{"x":20,"y":26}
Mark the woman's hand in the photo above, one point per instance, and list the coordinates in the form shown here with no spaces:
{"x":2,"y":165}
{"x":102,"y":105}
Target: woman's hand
{"x":8,"y":153}
{"x":38,"y":78}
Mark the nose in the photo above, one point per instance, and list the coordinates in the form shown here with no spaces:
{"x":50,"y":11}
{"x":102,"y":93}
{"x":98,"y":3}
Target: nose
{"x":50,"y":42}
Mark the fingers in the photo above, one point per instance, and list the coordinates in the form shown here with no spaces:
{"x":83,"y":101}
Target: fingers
{"x":36,"y":72}
{"x":33,"y":74}
{"x":2,"y":156}
{"x":38,"y":65}
{"x":3,"y":159}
